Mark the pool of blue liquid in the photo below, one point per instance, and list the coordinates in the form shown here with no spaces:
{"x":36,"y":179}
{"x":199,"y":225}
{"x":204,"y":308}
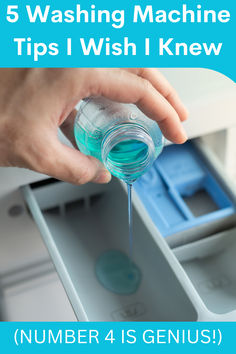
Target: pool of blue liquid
{"x":117,"y":273}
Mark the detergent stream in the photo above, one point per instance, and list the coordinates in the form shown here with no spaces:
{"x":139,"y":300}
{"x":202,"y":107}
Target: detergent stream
{"x":127,"y":143}
{"x":130,"y":221}
{"x":116,"y":270}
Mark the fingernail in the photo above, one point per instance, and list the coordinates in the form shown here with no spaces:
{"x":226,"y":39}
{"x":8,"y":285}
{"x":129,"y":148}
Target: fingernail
{"x":186,"y":114}
{"x":184,"y":135}
{"x":181,"y":136}
{"x":103,"y":176}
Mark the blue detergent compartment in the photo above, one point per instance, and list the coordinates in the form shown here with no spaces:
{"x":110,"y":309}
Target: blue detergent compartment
{"x":180,"y":192}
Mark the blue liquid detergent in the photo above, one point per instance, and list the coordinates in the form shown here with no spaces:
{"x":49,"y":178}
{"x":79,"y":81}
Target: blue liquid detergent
{"x":127,"y":143}
{"x":130,"y":220}
{"x":115,"y":270}
{"x":119,"y":156}
{"x":117,"y":273}
{"x":123,"y":153}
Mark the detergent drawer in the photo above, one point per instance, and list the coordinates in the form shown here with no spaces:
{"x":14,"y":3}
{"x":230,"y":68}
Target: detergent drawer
{"x":187,"y":194}
{"x":80,"y":223}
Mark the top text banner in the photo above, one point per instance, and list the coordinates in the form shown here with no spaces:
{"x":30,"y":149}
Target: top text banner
{"x":134,"y":33}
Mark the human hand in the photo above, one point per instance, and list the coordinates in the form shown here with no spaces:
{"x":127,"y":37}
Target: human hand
{"x":35,"y":102}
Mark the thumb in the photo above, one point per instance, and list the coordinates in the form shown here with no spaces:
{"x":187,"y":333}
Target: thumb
{"x":70,"y":165}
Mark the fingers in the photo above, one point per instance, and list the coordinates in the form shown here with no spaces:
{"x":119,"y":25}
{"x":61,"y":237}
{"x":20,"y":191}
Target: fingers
{"x":161,"y":84}
{"x":127,"y":87}
{"x":168,"y":120}
{"x":67,"y":127}
{"x":68,"y":164}
{"x":74,"y":167}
